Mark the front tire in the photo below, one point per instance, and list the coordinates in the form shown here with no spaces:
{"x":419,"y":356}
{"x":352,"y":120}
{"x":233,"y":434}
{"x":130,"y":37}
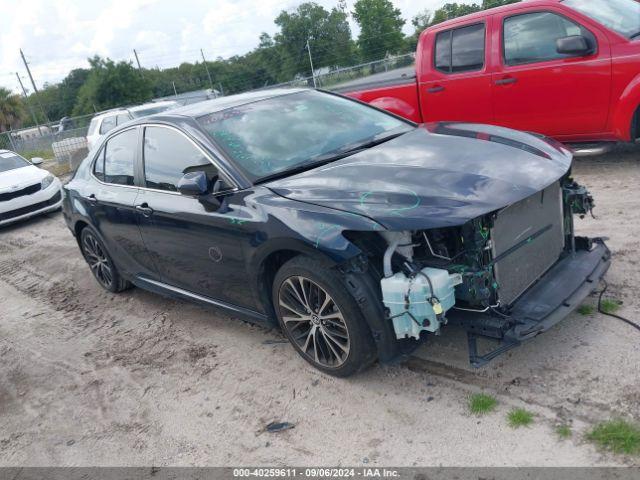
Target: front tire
{"x":101,"y":264}
{"x":321,"y":319}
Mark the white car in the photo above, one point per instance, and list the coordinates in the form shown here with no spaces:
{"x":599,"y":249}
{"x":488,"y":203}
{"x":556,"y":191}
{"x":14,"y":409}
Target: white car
{"x":107,"y":121}
{"x":26,"y":190}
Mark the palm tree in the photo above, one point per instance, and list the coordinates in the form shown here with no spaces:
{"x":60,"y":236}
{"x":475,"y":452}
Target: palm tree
{"x":11,"y":110}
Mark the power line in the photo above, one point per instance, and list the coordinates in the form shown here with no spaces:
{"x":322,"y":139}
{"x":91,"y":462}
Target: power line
{"x":138,"y":61}
{"x":204,"y":60}
{"x":33,"y":83}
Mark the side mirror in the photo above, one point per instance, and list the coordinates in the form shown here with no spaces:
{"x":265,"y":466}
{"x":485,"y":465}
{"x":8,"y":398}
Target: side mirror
{"x":193,"y":184}
{"x":574,"y":45}
{"x":37,"y":160}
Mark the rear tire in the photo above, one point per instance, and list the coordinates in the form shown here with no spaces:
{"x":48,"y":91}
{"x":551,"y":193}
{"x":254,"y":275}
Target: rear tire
{"x":100,"y":262}
{"x":321,"y":319}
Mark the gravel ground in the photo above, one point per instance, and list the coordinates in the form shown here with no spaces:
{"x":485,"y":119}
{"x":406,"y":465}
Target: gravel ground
{"x":91,"y":378}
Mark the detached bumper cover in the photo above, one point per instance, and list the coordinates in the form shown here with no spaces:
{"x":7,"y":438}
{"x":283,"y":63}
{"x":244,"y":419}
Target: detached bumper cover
{"x":556,"y":294}
{"x":559,"y":292}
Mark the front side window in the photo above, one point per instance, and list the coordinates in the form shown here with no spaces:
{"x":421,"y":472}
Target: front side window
{"x":532,"y":37}
{"x":108,"y":124}
{"x":461,"y":49}
{"x":119,"y":157}
{"x":272,"y":136}
{"x":622,"y":16}
{"x":168,"y":155}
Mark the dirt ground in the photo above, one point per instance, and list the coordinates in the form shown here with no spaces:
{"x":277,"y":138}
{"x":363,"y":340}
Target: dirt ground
{"x":91,"y":378}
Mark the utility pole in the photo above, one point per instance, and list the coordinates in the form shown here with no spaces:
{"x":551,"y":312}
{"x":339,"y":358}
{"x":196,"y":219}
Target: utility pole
{"x":138,"y":62}
{"x":33,"y":84}
{"x":26,"y":100}
{"x":204,"y":60}
{"x":313,"y":72}
{"x":175,"y":92}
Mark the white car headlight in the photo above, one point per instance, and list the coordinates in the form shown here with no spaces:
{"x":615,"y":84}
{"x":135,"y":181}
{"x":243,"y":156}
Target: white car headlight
{"x":46,"y":181}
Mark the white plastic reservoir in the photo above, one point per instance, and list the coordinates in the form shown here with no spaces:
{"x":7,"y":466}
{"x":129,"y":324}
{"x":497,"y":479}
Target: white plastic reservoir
{"x":403,"y":295}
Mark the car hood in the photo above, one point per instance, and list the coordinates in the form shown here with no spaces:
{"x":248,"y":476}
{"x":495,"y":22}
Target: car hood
{"x":21,"y":177}
{"x":435,"y":176}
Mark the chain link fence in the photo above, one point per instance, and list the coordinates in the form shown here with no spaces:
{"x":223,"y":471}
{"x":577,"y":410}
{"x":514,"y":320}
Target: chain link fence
{"x":65,"y":141}
{"x":331,"y":78}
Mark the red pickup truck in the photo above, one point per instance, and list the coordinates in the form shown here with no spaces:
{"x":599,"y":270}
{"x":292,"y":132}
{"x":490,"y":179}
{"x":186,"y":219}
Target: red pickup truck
{"x":568,"y":69}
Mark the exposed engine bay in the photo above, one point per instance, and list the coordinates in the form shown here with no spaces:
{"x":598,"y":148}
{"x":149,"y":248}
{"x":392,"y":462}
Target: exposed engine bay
{"x":480,"y":270}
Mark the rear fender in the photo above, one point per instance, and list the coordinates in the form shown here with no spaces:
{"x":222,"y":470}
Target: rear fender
{"x":398,"y":107}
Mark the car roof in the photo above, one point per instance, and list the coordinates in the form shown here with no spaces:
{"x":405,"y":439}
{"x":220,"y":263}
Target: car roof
{"x":206,"y":107}
{"x":109,"y":113}
{"x":485,"y":13}
{"x":152,"y":104}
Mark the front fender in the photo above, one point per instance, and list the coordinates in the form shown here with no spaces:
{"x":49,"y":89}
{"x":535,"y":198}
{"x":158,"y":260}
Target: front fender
{"x":625,"y":109}
{"x":296,"y":227}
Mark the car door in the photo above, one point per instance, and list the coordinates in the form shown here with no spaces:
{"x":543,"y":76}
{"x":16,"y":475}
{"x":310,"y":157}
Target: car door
{"x":455,"y":83}
{"x":193,"y":240}
{"x":110,"y":202}
{"x":540,"y":90}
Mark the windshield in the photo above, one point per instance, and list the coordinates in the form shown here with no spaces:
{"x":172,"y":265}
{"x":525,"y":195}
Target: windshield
{"x":152,"y":110}
{"x":284,"y":133}
{"x":11,"y":161}
{"x":623,"y":16}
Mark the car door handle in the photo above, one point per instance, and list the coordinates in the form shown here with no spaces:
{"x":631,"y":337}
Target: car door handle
{"x":506,"y":81}
{"x":145,"y":209}
{"x":437,"y":89}
{"x":91,"y":198}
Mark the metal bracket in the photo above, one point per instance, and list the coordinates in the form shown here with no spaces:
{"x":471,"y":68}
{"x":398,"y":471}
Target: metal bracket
{"x":478,"y":361}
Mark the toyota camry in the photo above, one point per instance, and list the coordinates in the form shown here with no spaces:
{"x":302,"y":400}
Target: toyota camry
{"x":358,"y":232}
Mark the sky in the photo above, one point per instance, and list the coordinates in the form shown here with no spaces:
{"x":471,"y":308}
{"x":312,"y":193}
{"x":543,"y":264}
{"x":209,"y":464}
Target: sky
{"x":59,"y":35}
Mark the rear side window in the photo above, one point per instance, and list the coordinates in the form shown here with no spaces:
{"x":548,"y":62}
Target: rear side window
{"x":123,"y":118}
{"x":119,"y":157}
{"x":92,"y":126}
{"x":531,"y":37}
{"x":108,"y":124}
{"x":461,"y":49}
{"x":168,"y":155}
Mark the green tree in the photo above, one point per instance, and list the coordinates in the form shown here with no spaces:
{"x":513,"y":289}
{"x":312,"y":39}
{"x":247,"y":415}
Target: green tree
{"x":111,"y":84}
{"x":453,"y":10}
{"x":380,"y":28}
{"x":420,"y":22}
{"x":486,"y":4}
{"x":327,"y":32}
{"x":11,"y":110}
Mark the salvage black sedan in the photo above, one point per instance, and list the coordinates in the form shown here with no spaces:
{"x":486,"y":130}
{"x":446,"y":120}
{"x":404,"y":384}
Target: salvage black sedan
{"x":358,"y":232}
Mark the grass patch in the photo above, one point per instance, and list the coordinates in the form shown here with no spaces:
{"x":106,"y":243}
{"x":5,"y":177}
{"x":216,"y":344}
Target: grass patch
{"x":564,"y":431}
{"x":586,"y":309}
{"x":519,"y":417}
{"x":617,"y":436}
{"x":57,"y":169}
{"x":481,"y":403}
{"x":610,"y":306}
{"x":42,"y":153}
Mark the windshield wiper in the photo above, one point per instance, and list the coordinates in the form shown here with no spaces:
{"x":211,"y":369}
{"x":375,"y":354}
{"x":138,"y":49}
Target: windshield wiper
{"x":635,"y":35}
{"x":339,"y":154}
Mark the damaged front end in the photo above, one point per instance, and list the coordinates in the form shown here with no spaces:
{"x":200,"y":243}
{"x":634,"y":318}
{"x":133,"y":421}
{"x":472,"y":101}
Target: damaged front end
{"x":508,"y":275}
